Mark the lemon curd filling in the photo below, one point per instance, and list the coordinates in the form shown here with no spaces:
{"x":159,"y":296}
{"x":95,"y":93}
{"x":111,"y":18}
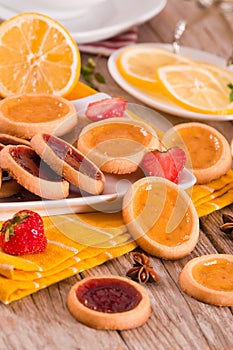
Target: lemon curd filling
{"x":34,"y":109}
{"x":203,"y":147}
{"x":118,"y":138}
{"x":215,"y":274}
{"x":123,"y":131}
{"x":167,"y":218}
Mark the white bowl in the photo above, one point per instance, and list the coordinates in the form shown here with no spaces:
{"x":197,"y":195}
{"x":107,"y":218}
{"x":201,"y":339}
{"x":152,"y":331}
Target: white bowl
{"x":59,"y":9}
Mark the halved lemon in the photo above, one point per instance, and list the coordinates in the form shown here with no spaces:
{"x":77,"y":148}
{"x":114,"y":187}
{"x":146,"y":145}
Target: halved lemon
{"x":161,"y":218}
{"x":37,"y":54}
{"x":206,"y":148}
{"x":209,"y":278}
{"x":138,"y":63}
{"x":196,"y":88}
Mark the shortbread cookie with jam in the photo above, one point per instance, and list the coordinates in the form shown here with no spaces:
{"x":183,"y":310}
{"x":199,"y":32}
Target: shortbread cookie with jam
{"x":109,"y":302}
{"x":25,"y":166}
{"x":67,"y":161}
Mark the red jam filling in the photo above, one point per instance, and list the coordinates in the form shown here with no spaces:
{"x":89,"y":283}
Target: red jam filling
{"x":32,"y":163}
{"x":71,"y":156}
{"x":108,"y":295}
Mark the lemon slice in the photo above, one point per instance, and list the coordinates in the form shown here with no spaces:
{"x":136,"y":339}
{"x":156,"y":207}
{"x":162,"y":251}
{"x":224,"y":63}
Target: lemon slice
{"x":223,"y":75}
{"x":161,"y":218}
{"x":209,"y":278}
{"x":37,"y":54}
{"x":195,"y":88}
{"x":138,"y":64}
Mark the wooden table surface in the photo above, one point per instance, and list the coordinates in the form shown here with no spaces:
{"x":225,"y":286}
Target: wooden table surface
{"x":41,"y":321}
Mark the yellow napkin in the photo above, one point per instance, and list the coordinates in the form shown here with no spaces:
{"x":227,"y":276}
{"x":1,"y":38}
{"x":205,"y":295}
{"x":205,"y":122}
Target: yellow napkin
{"x":214,"y":195}
{"x":107,"y":238}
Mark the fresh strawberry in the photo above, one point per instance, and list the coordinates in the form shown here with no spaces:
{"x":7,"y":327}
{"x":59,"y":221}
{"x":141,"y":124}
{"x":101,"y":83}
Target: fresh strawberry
{"x":107,"y":108}
{"x":166,"y":164}
{"x":23,"y":234}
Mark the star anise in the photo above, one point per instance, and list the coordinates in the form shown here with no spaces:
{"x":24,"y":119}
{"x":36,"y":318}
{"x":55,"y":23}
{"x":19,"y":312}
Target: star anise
{"x":227,"y":225}
{"x":141,"y":270}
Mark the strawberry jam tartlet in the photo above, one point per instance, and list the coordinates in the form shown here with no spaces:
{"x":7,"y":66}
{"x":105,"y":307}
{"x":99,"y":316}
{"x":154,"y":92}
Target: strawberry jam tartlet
{"x":109,"y":302}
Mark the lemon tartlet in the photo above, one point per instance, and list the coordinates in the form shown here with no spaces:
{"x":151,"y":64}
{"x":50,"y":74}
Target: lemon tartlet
{"x":117,"y":145}
{"x":209,"y":278}
{"x":26,"y":114}
{"x":207,"y":150}
{"x":161,"y":218}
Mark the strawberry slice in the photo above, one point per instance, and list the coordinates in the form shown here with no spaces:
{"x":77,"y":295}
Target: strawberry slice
{"x":23,"y":234}
{"x":166,"y":164}
{"x":107,"y":108}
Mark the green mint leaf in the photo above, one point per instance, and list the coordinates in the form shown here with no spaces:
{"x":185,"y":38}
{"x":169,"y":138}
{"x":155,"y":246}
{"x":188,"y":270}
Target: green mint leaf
{"x":99,"y":77}
{"x":90,"y":76}
{"x":230,"y":85}
{"x":91,"y":63}
{"x":86,"y":70}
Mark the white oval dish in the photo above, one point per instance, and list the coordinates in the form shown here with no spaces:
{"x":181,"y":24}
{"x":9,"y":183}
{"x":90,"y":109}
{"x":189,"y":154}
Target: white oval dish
{"x":162,"y":103}
{"x":115,"y":187}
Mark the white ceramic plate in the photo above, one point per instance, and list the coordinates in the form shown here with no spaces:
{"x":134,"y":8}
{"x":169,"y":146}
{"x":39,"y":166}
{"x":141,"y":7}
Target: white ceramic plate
{"x":115,"y":187}
{"x":109,"y":18}
{"x":160,"y":102}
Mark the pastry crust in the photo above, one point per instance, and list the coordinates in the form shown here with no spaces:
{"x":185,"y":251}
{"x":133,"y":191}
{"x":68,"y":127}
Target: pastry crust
{"x":42,"y":187}
{"x":102,"y":320}
{"x":70,"y":164}
{"x":203,"y":174}
{"x":9,"y":188}
{"x":117,"y":152}
{"x":199,"y":291}
{"x":147,"y":217}
{"x":57,"y":124}
{"x":7,"y":139}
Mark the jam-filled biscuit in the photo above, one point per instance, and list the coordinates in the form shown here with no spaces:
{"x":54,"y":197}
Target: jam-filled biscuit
{"x":209,"y":278}
{"x":67,"y":161}
{"x":24,"y":114}
{"x":109,"y":302}
{"x":8,"y":186}
{"x":208,"y":152}
{"x":25,"y":166}
{"x":161,"y":217}
{"x":117,"y":145}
